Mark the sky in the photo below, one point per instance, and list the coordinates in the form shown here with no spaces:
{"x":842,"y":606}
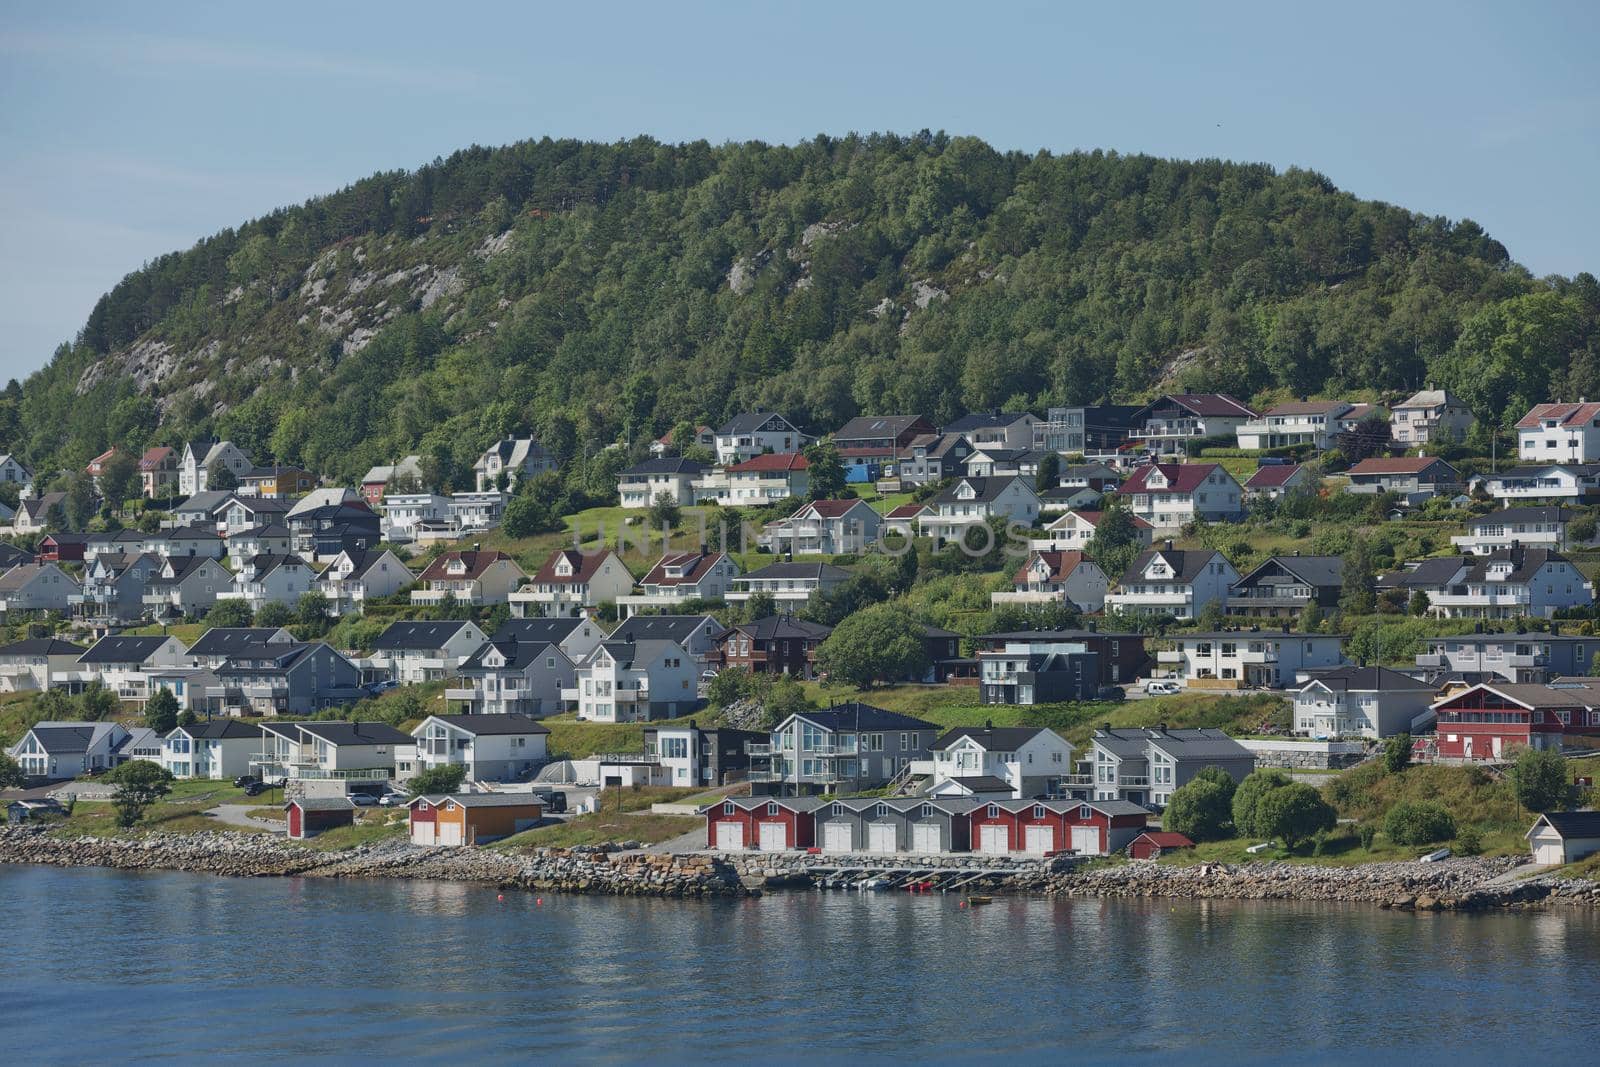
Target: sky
{"x":131,"y":131}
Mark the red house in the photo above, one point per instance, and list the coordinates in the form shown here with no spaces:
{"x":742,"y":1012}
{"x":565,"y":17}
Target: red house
{"x":771,"y":824}
{"x":62,"y":547}
{"x":1152,"y":843}
{"x":1486,"y":721}
{"x":309,"y":816}
{"x":1041,"y":827}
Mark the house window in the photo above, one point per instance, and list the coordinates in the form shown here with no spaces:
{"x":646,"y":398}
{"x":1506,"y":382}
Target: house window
{"x":883,"y":810}
{"x":993,"y":811}
{"x":1038,"y":811}
{"x":1083,"y":813}
{"x":838,"y":809}
{"x":927,"y":811}
{"x":727,"y":809}
{"x":772,"y":809}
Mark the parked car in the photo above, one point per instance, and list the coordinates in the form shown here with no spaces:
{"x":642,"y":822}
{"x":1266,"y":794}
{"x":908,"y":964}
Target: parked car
{"x":394,"y":800}
{"x":256,"y":788}
{"x":363,"y":800}
{"x":245,"y":781}
{"x":1162,"y":688}
{"x":557,"y":804}
{"x":382,"y":687}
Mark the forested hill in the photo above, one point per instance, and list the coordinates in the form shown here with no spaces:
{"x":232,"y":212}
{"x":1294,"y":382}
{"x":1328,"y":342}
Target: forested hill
{"x":599,"y":293}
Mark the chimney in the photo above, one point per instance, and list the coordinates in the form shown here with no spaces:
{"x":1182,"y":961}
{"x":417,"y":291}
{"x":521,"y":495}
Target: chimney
{"x":988,"y":724}
{"x":1555,"y":628}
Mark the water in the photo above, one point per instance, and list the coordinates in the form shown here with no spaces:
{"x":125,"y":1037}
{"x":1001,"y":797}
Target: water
{"x":110,"y":966}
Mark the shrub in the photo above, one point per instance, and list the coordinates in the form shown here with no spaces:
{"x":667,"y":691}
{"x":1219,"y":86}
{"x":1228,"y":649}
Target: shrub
{"x":1418,"y":823}
{"x":1540,"y":778}
{"x":1469,"y":842}
{"x":1365,"y":834}
{"x":1248,"y":798}
{"x":1200,"y":810}
{"x":1397,"y":753}
{"x":1292,"y":813}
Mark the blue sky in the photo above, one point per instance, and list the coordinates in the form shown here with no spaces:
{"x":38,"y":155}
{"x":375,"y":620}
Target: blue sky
{"x":132,"y":131}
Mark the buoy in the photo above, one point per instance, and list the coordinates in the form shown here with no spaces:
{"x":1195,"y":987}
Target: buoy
{"x":538,"y":900}
{"x":501,"y":897}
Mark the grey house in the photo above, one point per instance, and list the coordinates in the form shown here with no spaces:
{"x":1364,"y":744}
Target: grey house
{"x":1282,"y":586}
{"x":1145,"y":764}
{"x":283,"y":678}
{"x":885,"y":824}
{"x":842,"y":749}
{"x":1513,"y":657}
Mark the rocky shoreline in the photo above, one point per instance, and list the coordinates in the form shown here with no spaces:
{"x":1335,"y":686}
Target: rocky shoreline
{"x":1455,"y":885}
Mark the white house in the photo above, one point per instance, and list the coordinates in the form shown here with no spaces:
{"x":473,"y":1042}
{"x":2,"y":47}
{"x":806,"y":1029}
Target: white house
{"x":273,"y":539}
{"x":572,"y":583}
{"x":514,"y":458}
{"x":752,"y":433}
{"x":756,"y":481}
{"x":239,"y":513}
{"x":514,"y":678}
{"x":680,"y":577}
{"x":35,"y":587}
{"x":640,"y":485}
{"x":1560,"y":433}
{"x":36,"y":663}
{"x":219,"y":749}
{"x":1239,"y":659}
{"x":1530,"y":527}
{"x":1074,"y":530}
{"x":1030,"y":760}
{"x":492,"y":748}
{"x":333,"y":751}
{"x":1170,"y":495}
{"x":1504,"y":584}
{"x":403,"y":511}
{"x":470,"y":512}
{"x":415,"y":652}
{"x":14,"y":472}
{"x":1426,"y":415}
{"x":635,"y":681}
{"x":994,"y":429}
{"x":356,"y":576}
{"x":830,"y":527}
{"x":268,"y":579}
{"x":972,"y":501}
{"x":471,"y":578}
{"x":1561,"y":837}
{"x":1176,"y":582}
{"x":1301,"y":422}
{"x":788,"y":583}
{"x":201,"y":457}
{"x":1057,"y":578}
{"x":1168,"y":421}
{"x":1553,"y":483}
{"x":1145,"y":765}
{"x":1274,"y":481}
{"x":1364,"y":701}
{"x":58,"y":750}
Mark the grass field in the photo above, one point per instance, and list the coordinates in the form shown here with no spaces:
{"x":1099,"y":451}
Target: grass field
{"x":571,"y":739}
{"x":604,"y":827}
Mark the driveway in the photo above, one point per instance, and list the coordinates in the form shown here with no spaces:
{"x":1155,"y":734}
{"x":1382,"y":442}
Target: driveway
{"x":239,"y":815}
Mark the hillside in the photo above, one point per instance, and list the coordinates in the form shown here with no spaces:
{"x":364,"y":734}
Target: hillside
{"x":599,"y":293}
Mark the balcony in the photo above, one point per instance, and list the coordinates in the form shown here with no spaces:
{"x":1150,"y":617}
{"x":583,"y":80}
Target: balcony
{"x":753,"y":749}
{"x":766,"y":776}
{"x":1076,"y":779}
{"x":437,"y":596}
{"x":1133,"y":782}
{"x":1030,"y":596}
{"x":469,"y":695}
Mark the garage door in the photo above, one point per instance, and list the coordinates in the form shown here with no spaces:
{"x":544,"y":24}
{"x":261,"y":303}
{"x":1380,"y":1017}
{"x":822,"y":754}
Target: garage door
{"x":1041,"y":839}
{"x":1548,"y":853}
{"x":925,"y":838}
{"x":422,"y":833}
{"x":880,"y":837}
{"x":1086,"y":839}
{"x":773,"y":837}
{"x":449,"y":833}
{"x":836,"y":837}
{"x":994,"y":840}
{"x":730,"y":836}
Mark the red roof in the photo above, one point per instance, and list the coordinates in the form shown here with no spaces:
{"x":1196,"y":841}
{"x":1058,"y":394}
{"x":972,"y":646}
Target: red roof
{"x":831,"y":509}
{"x":1181,"y":478}
{"x":666,"y":438}
{"x":583,"y":566}
{"x":1564,"y":414}
{"x":906,"y":511}
{"x":1395,"y":465}
{"x":1093,"y":519}
{"x":1165,"y":839}
{"x":1220,"y":404}
{"x":702,"y":563}
{"x":1061,"y":564}
{"x":772,"y":461}
{"x":1268,"y":477}
{"x":99,"y":461}
{"x":476,"y":564}
{"x":154,"y":457}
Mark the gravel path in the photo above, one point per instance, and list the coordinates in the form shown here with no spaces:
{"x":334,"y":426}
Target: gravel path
{"x":239,"y":815}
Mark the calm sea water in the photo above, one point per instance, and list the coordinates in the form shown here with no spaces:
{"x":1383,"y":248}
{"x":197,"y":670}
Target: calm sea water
{"x":108,"y":966}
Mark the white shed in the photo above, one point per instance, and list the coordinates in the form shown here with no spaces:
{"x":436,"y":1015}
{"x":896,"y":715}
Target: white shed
{"x":1564,"y":836}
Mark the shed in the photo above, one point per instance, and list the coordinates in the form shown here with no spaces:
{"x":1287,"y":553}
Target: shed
{"x":1564,"y":836}
{"x":769,"y":823}
{"x":1152,"y":844}
{"x":19,"y":811}
{"x":310,"y":816}
{"x":472,"y":818}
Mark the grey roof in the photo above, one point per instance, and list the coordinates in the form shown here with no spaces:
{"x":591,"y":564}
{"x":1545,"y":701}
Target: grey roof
{"x":1046,"y":636}
{"x":263,"y":505}
{"x":801,"y":804}
{"x":667,"y":465}
{"x":1538,"y":637}
{"x":20,"y":575}
{"x":553,"y":631}
{"x":983,"y":420}
{"x":874,"y":427}
{"x":626,"y":652}
{"x":337,"y":732}
{"x":1568,"y":693}
{"x":424,"y":635}
{"x":986,"y":489}
{"x":1253,"y":634}
{"x":983,"y":783}
{"x":1367,"y":680}
{"x":11,"y":555}
{"x":220,"y":730}
{"x":677,"y":628}
{"x":519,"y":655}
{"x":1179,"y":744}
{"x":749,"y":421}
{"x":67,"y":739}
{"x":858,"y":716}
{"x":226,"y":640}
{"x":1318,"y":571}
{"x":1430,"y":572}
{"x":1572,"y":823}
{"x":992,"y":738}
{"x":818,"y":571}
{"x":487,"y":800}
{"x":488,"y":725}
{"x":42,"y":646}
{"x":122,"y":649}
{"x":208,"y":501}
{"x":321,"y":804}
{"x":780,"y":626}
{"x":1187,"y":564}
{"x":1545,"y":514}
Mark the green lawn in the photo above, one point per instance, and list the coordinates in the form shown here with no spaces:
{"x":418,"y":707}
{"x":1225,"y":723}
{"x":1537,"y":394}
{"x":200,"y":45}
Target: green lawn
{"x":369,"y":829}
{"x":571,"y":739}
{"x":604,"y":827}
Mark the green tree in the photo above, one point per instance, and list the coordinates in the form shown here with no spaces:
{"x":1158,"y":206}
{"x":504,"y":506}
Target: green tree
{"x":1292,"y":813}
{"x":161,"y":711}
{"x":11,"y":774}
{"x":445,"y":778}
{"x":728,"y":687}
{"x":220,"y":478}
{"x":824,"y":471}
{"x":119,"y":479}
{"x":311,"y":610}
{"x":140,"y":784}
{"x":526,"y":516}
{"x":1581,"y":530}
{"x":99,"y":704}
{"x":1418,"y":604}
{"x":1418,"y":823}
{"x":879,"y":643}
{"x":1200,"y":809}
{"x":760,"y":605}
{"x":1360,"y":577}
{"x":1049,"y":472}
{"x":1539,"y":776}
{"x":274,"y":613}
{"x":1116,"y":542}
{"x":81,"y":503}
{"x":229,"y":613}
{"x":664,"y":511}
{"x":1397,"y":753}
{"x":1247,"y":799}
